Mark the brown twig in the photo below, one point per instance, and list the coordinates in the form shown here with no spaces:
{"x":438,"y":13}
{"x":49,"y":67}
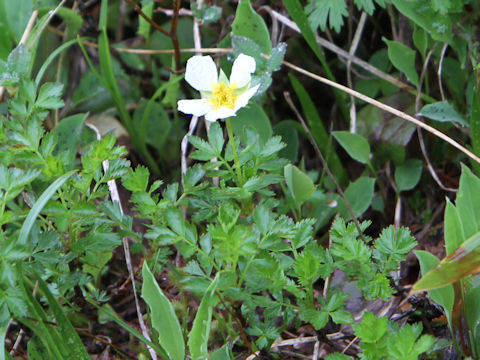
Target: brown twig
{"x":288,"y":98}
{"x":138,"y":9}
{"x":173,"y":35}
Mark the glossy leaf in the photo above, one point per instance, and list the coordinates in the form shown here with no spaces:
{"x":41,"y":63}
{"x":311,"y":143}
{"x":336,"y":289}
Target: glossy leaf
{"x":461,"y":263}
{"x":355,"y":145}
{"x":164,"y":319}
{"x":300,"y":185}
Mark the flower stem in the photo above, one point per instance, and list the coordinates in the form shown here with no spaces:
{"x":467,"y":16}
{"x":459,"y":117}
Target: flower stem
{"x":236,"y":159}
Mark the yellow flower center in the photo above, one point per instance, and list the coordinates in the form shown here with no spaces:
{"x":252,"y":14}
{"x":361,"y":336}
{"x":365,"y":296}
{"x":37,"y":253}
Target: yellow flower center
{"x":223,"y":96}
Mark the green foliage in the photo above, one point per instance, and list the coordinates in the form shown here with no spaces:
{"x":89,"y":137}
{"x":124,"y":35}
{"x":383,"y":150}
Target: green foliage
{"x":383,"y":339}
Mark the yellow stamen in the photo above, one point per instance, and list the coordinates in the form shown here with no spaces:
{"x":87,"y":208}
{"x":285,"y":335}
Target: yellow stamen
{"x":223,"y":96}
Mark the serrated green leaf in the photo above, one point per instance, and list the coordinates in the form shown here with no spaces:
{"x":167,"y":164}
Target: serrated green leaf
{"x":332,"y":10}
{"x":276,"y":57}
{"x":371,"y":329}
{"x":175,"y":220}
{"x":49,"y":96}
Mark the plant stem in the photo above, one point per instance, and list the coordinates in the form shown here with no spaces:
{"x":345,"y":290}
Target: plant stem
{"x":234,"y":151}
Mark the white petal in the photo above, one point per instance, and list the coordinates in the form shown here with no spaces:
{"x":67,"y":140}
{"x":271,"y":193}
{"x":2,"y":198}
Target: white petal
{"x":245,"y":97}
{"x":220,"y":113}
{"x":196,"y":107}
{"x":201,"y":73}
{"x":242,"y":67}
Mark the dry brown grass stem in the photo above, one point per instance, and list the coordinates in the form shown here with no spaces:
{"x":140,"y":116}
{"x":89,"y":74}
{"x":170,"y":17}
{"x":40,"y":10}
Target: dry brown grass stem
{"x":384,"y":107}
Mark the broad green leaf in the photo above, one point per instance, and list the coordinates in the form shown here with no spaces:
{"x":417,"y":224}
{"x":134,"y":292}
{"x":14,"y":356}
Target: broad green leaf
{"x":359,"y":194}
{"x":300,"y":185}
{"x":444,"y":296}
{"x":421,"y":13}
{"x":468,"y":202}
{"x":198,"y":336}
{"x":355,"y":145}
{"x":252,"y":116}
{"x":420,"y":39}
{"x":221,"y":354}
{"x":164,"y":319}
{"x":462,"y":262}
{"x":408,"y":174}
{"x":17,"y":13}
{"x":249,"y":24}
{"x":453,"y":231}
{"x":403,"y":58}
{"x":39,"y":204}
{"x":443,"y":111}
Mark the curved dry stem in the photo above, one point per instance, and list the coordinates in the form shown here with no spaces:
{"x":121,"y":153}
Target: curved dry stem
{"x":387,"y":108}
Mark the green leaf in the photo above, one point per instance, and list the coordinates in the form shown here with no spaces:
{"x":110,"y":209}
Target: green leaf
{"x":49,"y":96}
{"x":175,"y":220}
{"x":468,"y":202}
{"x":143,"y":25}
{"x":475,"y":125}
{"x":443,"y":296}
{"x":355,"y":145}
{"x":408,"y":174}
{"x":403,"y":58}
{"x":287,"y":130}
{"x":70,"y":337}
{"x":472,"y":309}
{"x":221,"y":354}
{"x":453,"y":231}
{"x":252,"y":116}
{"x":443,"y":111}
{"x":421,"y":13}
{"x":164,"y":320}
{"x":157,"y":122}
{"x":38,"y":206}
{"x":300,"y":185}
{"x":17,"y":14}
{"x":371,"y":329}
{"x":332,"y":10}
{"x":215,"y":137}
{"x":198,"y":337}
{"x":249,"y":24}
{"x":68,"y":132}
{"x":359,"y":194}
{"x":462,"y":262}
{"x":276,"y":58}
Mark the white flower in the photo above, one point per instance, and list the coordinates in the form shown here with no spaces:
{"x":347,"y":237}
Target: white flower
{"x":221,"y":98}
